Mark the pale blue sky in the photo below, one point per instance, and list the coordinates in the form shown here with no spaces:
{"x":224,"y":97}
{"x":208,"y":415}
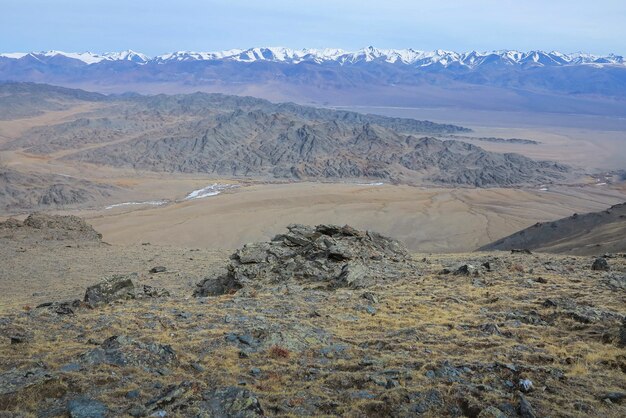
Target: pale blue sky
{"x":159,"y":26}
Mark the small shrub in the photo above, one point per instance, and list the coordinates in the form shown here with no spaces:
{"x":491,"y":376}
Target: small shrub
{"x":279,"y":352}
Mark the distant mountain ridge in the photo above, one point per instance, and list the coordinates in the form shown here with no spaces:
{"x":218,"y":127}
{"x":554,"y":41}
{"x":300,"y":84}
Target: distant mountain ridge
{"x":535,"y":81}
{"x":418,"y":58}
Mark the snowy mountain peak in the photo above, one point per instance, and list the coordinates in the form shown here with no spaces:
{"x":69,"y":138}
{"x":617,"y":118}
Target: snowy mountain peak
{"x":370,"y":54}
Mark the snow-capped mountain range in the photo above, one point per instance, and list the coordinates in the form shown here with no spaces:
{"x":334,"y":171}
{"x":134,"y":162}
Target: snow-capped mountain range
{"x":411,"y":57}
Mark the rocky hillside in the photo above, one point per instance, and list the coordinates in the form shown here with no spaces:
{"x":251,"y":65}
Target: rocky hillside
{"x":320,"y":321}
{"x":584,"y":234}
{"x":27,"y":191}
{"x":246,"y":137}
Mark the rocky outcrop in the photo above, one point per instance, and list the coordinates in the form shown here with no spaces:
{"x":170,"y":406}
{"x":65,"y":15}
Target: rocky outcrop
{"x":333,"y":255}
{"x":52,"y":227}
{"x":125,"y":351}
{"x":118,"y":287}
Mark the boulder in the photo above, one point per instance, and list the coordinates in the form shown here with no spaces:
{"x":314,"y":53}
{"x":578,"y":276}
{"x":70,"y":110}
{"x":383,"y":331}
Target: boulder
{"x":339,"y":256}
{"x":118,"y":287}
{"x":600,"y":264}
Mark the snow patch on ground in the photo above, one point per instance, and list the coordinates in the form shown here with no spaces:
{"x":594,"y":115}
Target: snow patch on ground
{"x":150,"y":202}
{"x":371,"y":184}
{"x":211,"y":190}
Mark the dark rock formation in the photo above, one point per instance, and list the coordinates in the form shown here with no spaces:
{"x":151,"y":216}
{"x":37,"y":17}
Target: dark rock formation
{"x":600,"y":264}
{"x":337,"y":256}
{"x":118,"y":287}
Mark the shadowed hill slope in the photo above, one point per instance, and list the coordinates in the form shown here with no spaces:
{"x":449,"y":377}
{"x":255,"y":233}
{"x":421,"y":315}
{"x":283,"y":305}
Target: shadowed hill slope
{"x":591,"y":233}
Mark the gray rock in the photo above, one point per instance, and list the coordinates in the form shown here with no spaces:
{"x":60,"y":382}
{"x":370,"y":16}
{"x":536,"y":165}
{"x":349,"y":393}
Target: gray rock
{"x":155,"y":292}
{"x":622,"y":334}
{"x":338,"y":256}
{"x":87,"y":408}
{"x":615,"y":397}
{"x":158,"y":269}
{"x":118,"y":287}
{"x":171,"y":395}
{"x":525,"y":408}
{"x":232,"y":402}
{"x":352,"y":275}
{"x":466,"y":270}
{"x":370,"y":296}
{"x":123,"y":351}
{"x":600,"y":264}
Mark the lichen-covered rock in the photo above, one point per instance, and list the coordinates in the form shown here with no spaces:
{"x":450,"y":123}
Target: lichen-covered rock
{"x":232,"y":402}
{"x":154,"y":292}
{"x":125,"y":351}
{"x":340,"y":256}
{"x":118,"y":287}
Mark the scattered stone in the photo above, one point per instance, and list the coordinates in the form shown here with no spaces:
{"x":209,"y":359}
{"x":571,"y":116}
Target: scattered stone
{"x":525,"y":409}
{"x":87,"y":408}
{"x":370,"y":296}
{"x":158,"y":269}
{"x":155,"y":292}
{"x":466,"y":270}
{"x":132,"y":394}
{"x":118,"y":287}
{"x":614,"y":397}
{"x":232,"y":402}
{"x":491,"y":329}
{"x":600,"y":264}
{"x":62,"y":308}
{"x":526,"y":385}
{"x":169,"y":396}
{"x":491,"y":412}
{"x":521,"y":251}
{"x":71,"y":367}
{"x":622,"y":334}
